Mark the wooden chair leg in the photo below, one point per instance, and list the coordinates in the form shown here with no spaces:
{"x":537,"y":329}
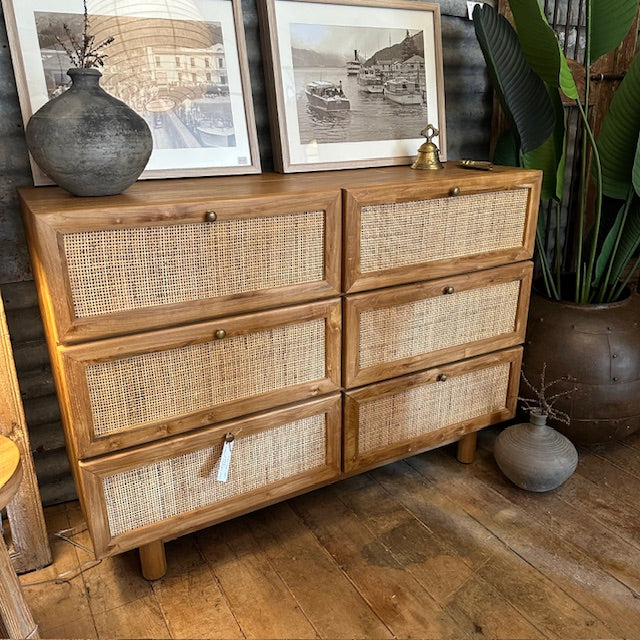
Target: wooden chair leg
{"x":153,"y":560}
{"x":14,"y":611}
{"x":467,"y":448}
{"x":28,"y":531}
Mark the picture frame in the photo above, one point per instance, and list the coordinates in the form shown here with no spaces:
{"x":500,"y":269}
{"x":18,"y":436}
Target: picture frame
{"x":351,"y":83}
{"x":180,"y":64}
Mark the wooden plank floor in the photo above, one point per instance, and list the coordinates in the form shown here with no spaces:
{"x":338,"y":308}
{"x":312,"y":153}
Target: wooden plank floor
{"x":424,"y":548}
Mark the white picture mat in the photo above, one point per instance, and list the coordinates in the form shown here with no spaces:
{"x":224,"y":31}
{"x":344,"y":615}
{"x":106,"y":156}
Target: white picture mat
{"x":163,"y":162}
{"x":288,"y":12}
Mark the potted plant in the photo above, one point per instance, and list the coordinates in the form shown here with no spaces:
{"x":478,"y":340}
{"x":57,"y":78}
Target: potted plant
{"x":86,"y":140}
{"x":583,"y":319}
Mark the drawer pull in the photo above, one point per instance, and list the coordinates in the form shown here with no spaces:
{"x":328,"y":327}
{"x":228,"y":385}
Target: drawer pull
{"x":219,"y":334}
{"x":448,"y":290}
{"x":455,"y":191}
{"x":210,"y":216}
{"x":442,"y":377}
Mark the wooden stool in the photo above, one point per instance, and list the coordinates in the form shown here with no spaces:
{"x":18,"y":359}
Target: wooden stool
{"x":14,"y":611}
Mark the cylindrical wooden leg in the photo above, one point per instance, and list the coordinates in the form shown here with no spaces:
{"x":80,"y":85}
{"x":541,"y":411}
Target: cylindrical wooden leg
{"x":467,"y":448}
{"x":153,"y":560}
{"x":14,"y":611}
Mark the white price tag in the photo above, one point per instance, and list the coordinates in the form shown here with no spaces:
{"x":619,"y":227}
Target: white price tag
{"x":225,"y":458}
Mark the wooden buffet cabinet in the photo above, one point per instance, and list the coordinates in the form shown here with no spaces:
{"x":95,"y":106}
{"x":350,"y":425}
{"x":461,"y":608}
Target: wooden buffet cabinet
{"x":327,"y":323}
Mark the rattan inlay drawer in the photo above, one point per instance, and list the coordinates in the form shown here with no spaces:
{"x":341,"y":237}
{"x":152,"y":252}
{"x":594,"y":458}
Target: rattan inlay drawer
{"x":405,"y":233}
{"x":174,"y":382}
{"x":167,"y":488}
{"x":424,"y":326}
{"x":424,"y":409}
{"x":115,"y":270}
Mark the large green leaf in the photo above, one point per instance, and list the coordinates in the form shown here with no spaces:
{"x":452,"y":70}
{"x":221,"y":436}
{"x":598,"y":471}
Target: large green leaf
{"x":550,"y":157}
{"x":629,"y":242}
{"x":506,"y":152}
{"x":521,"y":92}
{"x":544,"y":158}
{"x":610,"y":23}
{"x":618,"y":139}
{"x":559,"y":139}
{"x":608,"y":244}
{"x":635,"y":171}
{"x":541,"y":47}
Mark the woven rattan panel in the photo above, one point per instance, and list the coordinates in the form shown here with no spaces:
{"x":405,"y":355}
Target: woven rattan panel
{"x":124,"y":269}
{"x":404,"y":233}
{"x":178,"y":485}
{"x":160,"y":385}
{"x":425,"y":326}
{"x":420,"y":410}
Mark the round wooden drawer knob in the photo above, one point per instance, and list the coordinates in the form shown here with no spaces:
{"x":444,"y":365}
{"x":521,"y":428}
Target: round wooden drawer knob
{"x":442,"y":377}
{"x":210,"y":216}
{"x":448,"y":290}
{"x":219,"y":334}
{"x":455,"y":191}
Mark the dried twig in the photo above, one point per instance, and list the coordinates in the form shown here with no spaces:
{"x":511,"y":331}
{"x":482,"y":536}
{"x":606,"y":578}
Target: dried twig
{"x":540,"y":402}
{"x":84,"y":54}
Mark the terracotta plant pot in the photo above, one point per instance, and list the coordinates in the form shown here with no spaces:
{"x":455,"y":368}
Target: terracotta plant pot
{"x":598,"y":346}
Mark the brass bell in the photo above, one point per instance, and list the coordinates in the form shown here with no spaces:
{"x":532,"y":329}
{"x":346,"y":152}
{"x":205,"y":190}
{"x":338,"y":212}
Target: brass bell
{"x":428,"y":154}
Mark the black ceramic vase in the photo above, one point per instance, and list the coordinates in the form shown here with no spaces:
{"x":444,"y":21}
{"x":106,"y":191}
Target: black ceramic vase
{"x":87,"y":141}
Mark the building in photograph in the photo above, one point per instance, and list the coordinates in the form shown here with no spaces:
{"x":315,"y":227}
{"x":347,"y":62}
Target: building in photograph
{"x":170,"y":67}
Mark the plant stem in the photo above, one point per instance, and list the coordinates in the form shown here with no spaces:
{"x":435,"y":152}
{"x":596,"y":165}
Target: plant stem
{"x":584,"y":298}
{"x":558,"y":252}
{"x":547,"y":275}
{"x":620,"y":288}
{"x":595,"y":156}
{"x":605,"y":281}
{"x":582,"y":196}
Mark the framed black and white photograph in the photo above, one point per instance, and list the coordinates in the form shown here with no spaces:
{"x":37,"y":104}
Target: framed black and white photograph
{"x":180,"y":64}
{"x":352,"y":83}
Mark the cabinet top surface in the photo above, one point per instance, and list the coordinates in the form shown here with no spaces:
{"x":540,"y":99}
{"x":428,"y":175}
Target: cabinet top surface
{"x":146,"y":193}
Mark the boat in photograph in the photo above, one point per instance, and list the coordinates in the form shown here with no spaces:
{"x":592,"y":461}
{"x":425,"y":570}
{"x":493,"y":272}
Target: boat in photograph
{"x":370,"y":80}
{"x":353,"y":66}
{"x":402,"y":91}
{"x":327,"y":96}
{"x":216,"y":133}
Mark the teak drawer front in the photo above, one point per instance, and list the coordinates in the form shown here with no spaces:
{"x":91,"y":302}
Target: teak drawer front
{"x":118,"y":271}
{"x":419,"y":232}
{"x":396,"y":418}
{"x":169,"y":488}
{"x":407,"y":328}
{"x":130,"y":390}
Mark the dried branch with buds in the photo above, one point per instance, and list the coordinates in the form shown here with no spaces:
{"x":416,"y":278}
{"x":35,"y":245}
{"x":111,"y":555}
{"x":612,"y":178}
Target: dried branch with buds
{"x":540,"y":402}
{"x":84,"y":53}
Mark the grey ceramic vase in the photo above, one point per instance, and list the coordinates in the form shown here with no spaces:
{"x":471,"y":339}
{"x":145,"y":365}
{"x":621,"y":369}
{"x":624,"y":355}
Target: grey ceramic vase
{"x":87,"y":141}
{"x":534,"y":456}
